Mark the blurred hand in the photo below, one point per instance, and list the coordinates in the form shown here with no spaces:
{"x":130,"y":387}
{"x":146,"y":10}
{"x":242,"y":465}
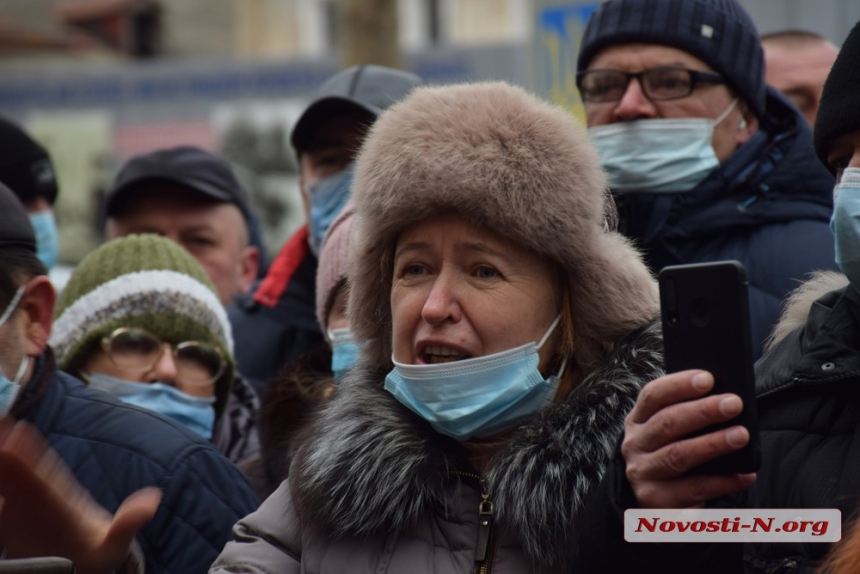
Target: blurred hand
{"x":657,"y":454}
{"x":46,"y":512}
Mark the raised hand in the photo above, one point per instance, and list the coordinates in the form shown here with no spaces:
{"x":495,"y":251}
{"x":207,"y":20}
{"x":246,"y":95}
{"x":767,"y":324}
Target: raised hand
{"x":659,"y":456}
{"x":46,"y":512}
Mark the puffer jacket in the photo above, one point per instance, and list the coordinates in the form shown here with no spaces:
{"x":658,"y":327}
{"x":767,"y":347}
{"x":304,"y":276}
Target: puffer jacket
{"x":768,"y":206}
{"x":114,"y":449}
{"x":808,"y":387}
{"x":375,"y":489}
{"x":276,"y":322}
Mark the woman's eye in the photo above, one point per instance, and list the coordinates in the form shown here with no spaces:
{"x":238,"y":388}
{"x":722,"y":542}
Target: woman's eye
{"x":414,"y":269}
{"x":486,"y":272}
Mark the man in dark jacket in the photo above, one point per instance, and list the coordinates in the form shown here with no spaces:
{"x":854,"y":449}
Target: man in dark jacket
{"x":26,"y":168}
{"x":112,"y":449}
{"x":706,"y":162}
{"x":807,"y":401}
{"x":276,"y":322}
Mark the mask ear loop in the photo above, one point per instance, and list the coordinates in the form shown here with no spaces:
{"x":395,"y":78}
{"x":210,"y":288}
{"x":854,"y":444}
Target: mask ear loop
{"x":543,"y":340}
{"x":726,"y":113}
{"x":549,"y":331}
{"x":12,"y":305}
{"x":25,"y":362}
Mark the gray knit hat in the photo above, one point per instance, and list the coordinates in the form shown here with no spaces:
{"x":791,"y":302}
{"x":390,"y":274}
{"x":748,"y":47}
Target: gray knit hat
{"x":718,"y":32}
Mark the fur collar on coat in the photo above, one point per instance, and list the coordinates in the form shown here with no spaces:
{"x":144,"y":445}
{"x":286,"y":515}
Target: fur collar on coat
{"x":369,"y":466}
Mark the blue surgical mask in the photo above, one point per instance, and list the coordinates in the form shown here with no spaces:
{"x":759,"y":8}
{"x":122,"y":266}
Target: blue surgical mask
{"x":657,"y":155}
{"x":47,"y":244}
{"x":194,"y":413}
{"x":477,"y":397}
{"x":328,"y":196}
{"x":344,"y":352}
{"x":845,"y":224}
{"x":9,"y":388}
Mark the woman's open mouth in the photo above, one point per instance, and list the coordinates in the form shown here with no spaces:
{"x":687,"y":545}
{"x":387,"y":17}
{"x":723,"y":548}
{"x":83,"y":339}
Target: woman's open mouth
{"x":434,"y":354}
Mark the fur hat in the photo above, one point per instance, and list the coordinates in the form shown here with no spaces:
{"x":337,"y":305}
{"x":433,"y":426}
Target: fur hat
{"x":147,"y":282}
{"x":506,"y":161}
{"x":334,"y":255}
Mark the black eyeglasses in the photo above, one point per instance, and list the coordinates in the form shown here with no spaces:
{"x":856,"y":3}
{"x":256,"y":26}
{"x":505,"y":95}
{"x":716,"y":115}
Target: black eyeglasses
{"x":662,"y":83}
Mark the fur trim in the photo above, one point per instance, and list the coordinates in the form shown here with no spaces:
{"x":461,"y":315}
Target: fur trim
{"x":369,"y":466}
{"x":506,"y":161}
{"x":796,"y":308}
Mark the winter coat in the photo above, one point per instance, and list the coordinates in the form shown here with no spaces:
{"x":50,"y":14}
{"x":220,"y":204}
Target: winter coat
{"x":291,"y":400}
{"x":114,"y":449}
{"x":808,"y":387}
{"x":276,"y":322}
{"x":375,"y":489}
{"x":236,"y":433}
{"x":768,"y":206}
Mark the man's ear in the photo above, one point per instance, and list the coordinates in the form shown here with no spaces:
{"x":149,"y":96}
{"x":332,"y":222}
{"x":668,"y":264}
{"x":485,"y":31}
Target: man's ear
{"x":250,"y":263}
{"x":747,"y":126}
{"x":37,"y":307}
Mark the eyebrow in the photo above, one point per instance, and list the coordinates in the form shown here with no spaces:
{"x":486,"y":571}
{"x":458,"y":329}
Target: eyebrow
{"x":460,"y":245}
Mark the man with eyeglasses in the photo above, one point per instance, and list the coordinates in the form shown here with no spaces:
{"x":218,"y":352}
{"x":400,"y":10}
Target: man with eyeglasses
{"x":71,"y":456}
{"x":705,"y":162}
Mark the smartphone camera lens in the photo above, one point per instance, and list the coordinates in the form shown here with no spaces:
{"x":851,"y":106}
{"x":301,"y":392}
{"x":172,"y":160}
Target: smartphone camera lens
{"x":700,"y":313}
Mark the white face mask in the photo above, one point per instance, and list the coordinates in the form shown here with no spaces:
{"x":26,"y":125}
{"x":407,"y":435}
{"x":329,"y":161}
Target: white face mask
{"x":658,"y":155}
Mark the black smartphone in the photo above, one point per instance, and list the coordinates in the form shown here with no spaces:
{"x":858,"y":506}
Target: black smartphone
{"x":705,"y":312}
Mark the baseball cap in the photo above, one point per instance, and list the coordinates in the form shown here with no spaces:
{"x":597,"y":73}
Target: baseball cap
{"x":15,"y":229}
{"x":367,"y":88}
{"x":186,"y":166}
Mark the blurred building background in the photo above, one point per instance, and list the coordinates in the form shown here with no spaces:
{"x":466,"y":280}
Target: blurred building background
{"x":97,"y":81}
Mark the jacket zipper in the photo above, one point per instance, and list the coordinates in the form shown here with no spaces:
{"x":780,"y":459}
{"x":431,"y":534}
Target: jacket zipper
{"x":486,"y":544}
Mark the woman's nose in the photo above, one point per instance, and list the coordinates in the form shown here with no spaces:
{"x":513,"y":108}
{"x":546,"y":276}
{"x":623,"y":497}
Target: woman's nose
{"x":442,"y":303}
{"x":165,"y":369}
{"x":634,"y":105}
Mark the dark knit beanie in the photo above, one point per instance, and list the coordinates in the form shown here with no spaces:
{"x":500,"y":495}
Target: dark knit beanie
{"x":718,"y":32}
{"x":24,"y":165}
{"x":15,"y":228}
{"x":839,"y":111}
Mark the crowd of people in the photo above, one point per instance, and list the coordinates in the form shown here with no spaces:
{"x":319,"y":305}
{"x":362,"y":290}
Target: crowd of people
{"x":456,"y":365}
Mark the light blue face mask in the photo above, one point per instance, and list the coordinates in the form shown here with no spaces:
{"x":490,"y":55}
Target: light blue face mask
{"x":477,"y":397}
{"x":658,"y":155}
{"x":845,"y":224}
{"x":328,"y":196}
{"x":194,"y":413}
{"x":9,"y":388}
{"x":47,"y":244}
{"x":344,"y":352}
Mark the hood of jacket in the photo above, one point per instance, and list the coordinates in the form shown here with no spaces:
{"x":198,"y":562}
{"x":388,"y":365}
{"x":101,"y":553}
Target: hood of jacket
{"x":823,"y":348}
{"x":773,"y":177}
{"x":369,"y":466}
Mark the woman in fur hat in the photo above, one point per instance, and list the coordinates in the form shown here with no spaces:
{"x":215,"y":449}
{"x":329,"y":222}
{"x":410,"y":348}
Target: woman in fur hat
{"x":505,"y":331}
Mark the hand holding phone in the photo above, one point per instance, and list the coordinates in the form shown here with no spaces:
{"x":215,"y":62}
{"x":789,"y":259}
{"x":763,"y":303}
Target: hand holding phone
{"x":705,"y":314}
